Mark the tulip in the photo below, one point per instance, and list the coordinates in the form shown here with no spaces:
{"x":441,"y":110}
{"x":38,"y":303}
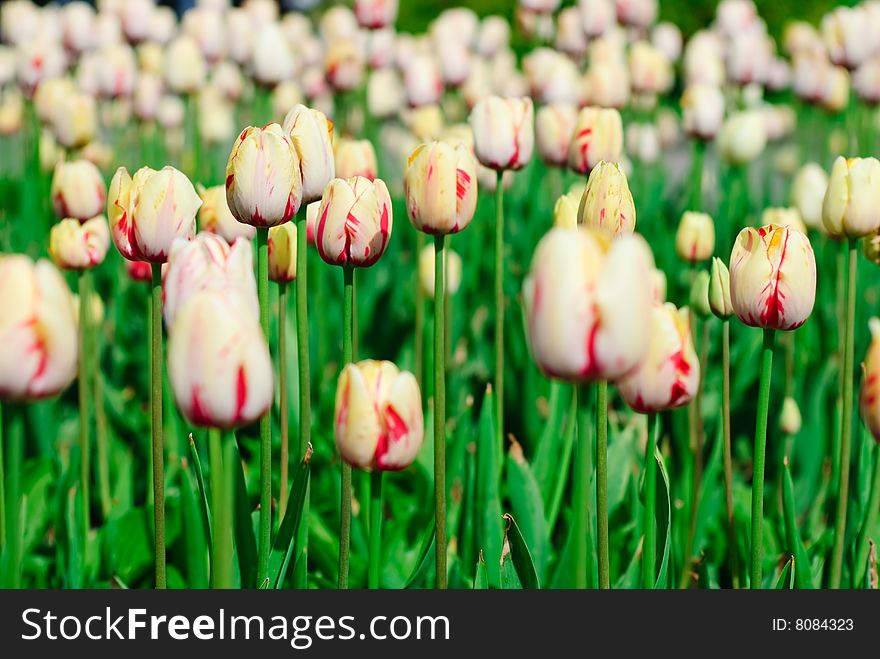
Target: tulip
{"x":149,"y":211}
{"x":384,"y":93}
{"x":503,"y":132}
{"x":215,"y":216}
{"x":565,"y":211}
{"x":570,"y":36}
{"x":552,"y":77}
{"x":834,"y":89}
{"x":695,"y":237}
{"x":608,"y":84}
{"x":554,"y":128}
{"x":75,"y":246}
{"x":607,"y":204}
{"x":272,"y":59}
{"x":139,"y":270}
{"x":846,"y":35}
{"x":11,"y":112}
{"x":784,"y":217}
{"x":719,"y":290}
{"x":650,"y":71}
{"x":147,"y":96}
{"x":453,"y":269}
{"x":742,"y":138}
{"x":355,"y":158}
{"x":702,"y":111}
{"x":851,"y":207}
{"x":441,"y":188}
{"x":425,"y":122}
{"x":77,"y":190}
{"x":597,"y":137}
{"x":75,"y":121}
{"x":374,"y":14}
{"x":282,"y":253}
{"x":790,"y":419}
{"x":422,"y":80}
{"x":312,"y":135}
{"x":218,"y":361}
{"x":666,"y":37}
{"x":115,"y":71}
{"x":808,"y":192}
{"x":354,"y":222}
{"x":184,"y":66}
{"x":597,"y":16}
{"x":870,"y":395}
{"x":263,"y":180}
{"x":344,"y":65}
{"x":38,"y":350}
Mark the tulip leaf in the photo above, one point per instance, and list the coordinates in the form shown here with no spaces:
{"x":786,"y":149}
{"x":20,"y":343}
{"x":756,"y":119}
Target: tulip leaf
{"x":200,"y":479}
{"x":544,"y":464}
{"x":282,"y":548}
{"x":423,"y":562}
{"x":803,"y":578}
{"x":488,"y":499}
{"x":481,"y":580}
{"x":786,"y":576}
{"x":197,"y":555}
{"x":519,"y":556}
{"x":525,"y":498}
{"x":245,"y":540}
{"x":664,"y":520}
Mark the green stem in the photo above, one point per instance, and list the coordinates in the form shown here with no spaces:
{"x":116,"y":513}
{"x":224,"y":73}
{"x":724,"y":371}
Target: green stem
{"x":13,"y":547}
{"x":440,"y":409}
{"x":499,"y":307}
{"x":85,"y":403}
{"x":420,"y":315}
{"x":375,"y":528}
{"x":101,"y":433}
{"x":846,"y":420}
{"x":649,"y":550}
{"x":581,"y":495}
{"x":305,"y":402}
{"x":282,"y":395}
{"x":602,"y":481}
{"x":158,"y":440}
{"x":728,"y":460}
{"x":345,"y":495}
{"x":266,"y":420}
{"x":869,"y":522}
{"x":760,"y":454}
{"x":696,"y":201}
{"x":2,"y":485}
{"x":221,"y":545}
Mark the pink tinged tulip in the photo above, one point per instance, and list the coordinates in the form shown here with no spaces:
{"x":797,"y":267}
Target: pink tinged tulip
{"x":78,"y":190}
{"x":554,"y":127}
{"x":76,"y":246}
{"x":670,"y":375}
{"x":441,"y":187}
{"x":851,"y":207}
{"x":378,"y":416}
{"x":504,"y":132}
{"x":38,"y":330}
{"x":702,"y":109}
{"x":208,"y":263}
{"x":354,"y":222}
{"x":312,"y":135}
{"x":355,"y":158}
{"x":282,"y":253}
{"x":263,"y":180}
{"x":422,"y":80}
{"x":870,"y":395}
{"x":598,"y":136}
{"x":588,"y":304}
{"x":149,"y":211}
{"x":215,"y":216}
{"x":139,"y":270}
{"x":312,"y":221}
{"x":374,"y":14}
{"x":772,"y":277}
{"x":218,"y":361}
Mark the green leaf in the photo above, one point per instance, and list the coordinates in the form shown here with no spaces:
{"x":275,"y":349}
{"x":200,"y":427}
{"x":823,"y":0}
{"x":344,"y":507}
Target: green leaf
{"x":245,"y":540}
{"x":544,"y":464}
{"x":520,"y":555}
{"x":282,"y":548}
{"x":488,"y":499}
{"x":664,"y":519}
{"x":200,"y":478}
{"x":525,"y":498}
{"x":423,"y":562}
{"x":803,"y":577}
{"x":129,"y":541}
{"x":786,"y":576}
{"x":198,"y":558}
{"x":481,"y":580}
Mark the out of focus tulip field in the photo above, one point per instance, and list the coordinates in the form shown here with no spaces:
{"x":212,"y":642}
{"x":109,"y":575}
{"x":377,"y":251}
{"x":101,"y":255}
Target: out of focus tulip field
{"x":563,"y":296}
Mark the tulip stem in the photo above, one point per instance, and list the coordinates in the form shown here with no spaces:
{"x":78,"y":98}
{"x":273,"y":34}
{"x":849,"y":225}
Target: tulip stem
{"x":84,"y":281}
{"x":266,"y":419}
{"x":440,"y":409}
{"x":696,"y":201}
{"x":101,"y":436}
{"x":581,"y":493}
{"x":282,"y":395}
{"x":345,"y":495}
{"x":158,"y":441}
{"x":499,"y":307}
{"x":305,"y":401}
{"x":846,"y":420}
{"x":602,"y":481}
{"x":375,"y":528}
{"x":869,"y":523}
{"x":221,"y":544}
{"x":420,"y":316}
{"x":2,"y":486}
{"x":760,"y":454}
{"x":13,"y":547}
{"x":728,"y":461}
{"x":649,"y":549}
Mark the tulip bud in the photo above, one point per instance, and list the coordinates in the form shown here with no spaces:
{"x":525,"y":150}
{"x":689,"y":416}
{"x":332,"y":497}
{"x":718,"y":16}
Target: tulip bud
{"x":441,"y":187}
{"x":503,"y":132}
{"x":658,"y":285}
{"x":699,"y":297}
{"x":702,"y":109}
{"x":670,"y":374}
{"x":374,"y":14}
{"x":149,"y":211}
{"x":282,"y":253}
{"x":452,"y":272}
{"x":11,"y":112}
{"x":588,"y":304}
{"x":139,"y":270}
{"x":263,"y":180}
{"x":75,"y":120}
{"x":565,"y":212}
{"x":312,"y":135}
{"x":218,"y":361}
{"x":425,"y":122}
{"x":38,"y":330}
{"x":184,"y":66}
{"x":650,"y":72}
{"x":75,"y":246}
{"x":743,"y":137}
{"x":772,"y":277}
{"x":77,"y":190}
{"x":808,"y":193}
{"x":790,"y":419}
{"x":378,"y":416}
{"x":719,"y":290}
{"x":384,"y":93}
{"x":208,"y":262}
{"x":355,"y":158}
{"x":272,"y":59}
{"x":554,"y":128}
{"x":695,"y":238}
{"x":783,"y":217}
{"x":607,"y":204}
{"x":851,"y":207}
{"x":598,"y":137}
{"x":422,"y":81}
{"x":344,"y":65}
{"x":871,"y":248}
{"x":354,"y":222}
{"x":215,"y":216}
{"x":870,"y":395}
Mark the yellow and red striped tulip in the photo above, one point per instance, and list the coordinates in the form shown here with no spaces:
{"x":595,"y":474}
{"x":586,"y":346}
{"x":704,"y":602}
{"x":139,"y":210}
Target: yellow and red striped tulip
{"x":607,"y":204}
{"x":215,"y":216}
{"x":598,"y":137}
{"x":139,"y":270}
{"x":851,"y":207}
{"x":695,"y":237}
{"x":870,"y":395}
{"x":441,"y":187}
{"x":344,"y":64}
{"x":282,"y":253}
{"x":78,"y":190}
{"x":79,"y":246}
{"x":504,"y":133}
{"x":554,"y":128}
{"x":355,"y":158}
{"x":312,"y":135}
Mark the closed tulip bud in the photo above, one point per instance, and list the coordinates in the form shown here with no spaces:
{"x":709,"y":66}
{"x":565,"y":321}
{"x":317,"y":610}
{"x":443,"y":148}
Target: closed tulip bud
{"x":184,"y":66}
{"x":845,"y":31}
{"x":171,"y":112}
{"x":783,"y":217}
{"x":272,"y":58}
{"x":75,"y":246}
{"x":75,"y":120}
{"x":441,"y":187}
{"x":719,"y":290}
{"x":851,"y":207}
{"x":355,"y":158}
{"x":139,"y":270}
{"x":147,"y":96}
{"x":78,"y":190}
{"x":598,"y":137}
{"x":695,"y":238}
{"x":702,"y":109}
{"x":670,"y":374}
{"x":597,"y":16}
{"x":554,"y":128}
{"x":658,"y":285}
{"x":834,"y":90}
{"x":565,"y":212}
{"x":772,"y":277}
{"x":790,"y":419}
{"x":38,"y":330}
{"x":425,"y":122}
{"x":263,"y":180}
{"x":344,"y":65}
{"x":11,"y":112}
{"x":504,"y":133}
{"x":871,"y":248}
{"x":699,"y":297}
{"x":649,"y":70}
{"x":384,"y":93}
{"x":552,"y":77}
{"x":282,"y":253}
{"x":354,"y":222}
{"x":149,"y":211}
{"x":743,"y":137}
{"x":607,"y":204}
{"x":588,"y":304}
{"x":312,"y":135}
{"x":96,"y":309}
{"x":608,"y":84}
{"x":422,"y":80}
{"x":452,"y":273}
{"x":285,"y":95}
{"x":215,"y":216}
{"x":208,"y":262}
{"x":378,"y":416}
{"x":808,"y":192}
{"x":312,"y":221}
{"x":870,"y":395}
{"x":218,"y":361}
{"x":374,"y":14}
